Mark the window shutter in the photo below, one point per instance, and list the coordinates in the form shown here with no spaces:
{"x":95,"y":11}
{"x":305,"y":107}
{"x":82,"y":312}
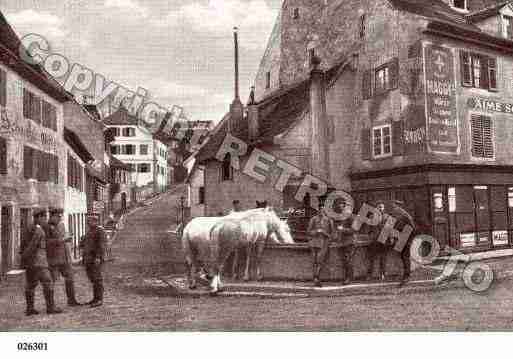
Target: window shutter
{"x":26,"y":103}
{"x":466,"y":68}
{"x":27,"y":162}
{"x":366,"y":144}
{"x":56,"y":169}
{"x":367,"y":84}
{"x":393,"y":72}
{"x":397,"y":138}
{"x":3,"y":87}
{"x":492,"y":74}
{"x":482,"y":136}
{"x":3,"y":156}
{"x":36,"y":109}
{"x":485,"y":78}
{"x":487,"y":137}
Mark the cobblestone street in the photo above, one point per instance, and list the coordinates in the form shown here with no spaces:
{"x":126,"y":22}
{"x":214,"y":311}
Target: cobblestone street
{"x":137,"y":300}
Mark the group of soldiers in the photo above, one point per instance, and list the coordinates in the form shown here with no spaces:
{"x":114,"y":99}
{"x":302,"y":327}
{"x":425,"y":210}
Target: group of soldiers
{"x":45,"y":253}
{"x":322,"y":230}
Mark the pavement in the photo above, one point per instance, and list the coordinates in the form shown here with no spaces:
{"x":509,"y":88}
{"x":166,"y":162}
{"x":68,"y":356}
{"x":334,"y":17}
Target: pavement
{"x":146,"y":290}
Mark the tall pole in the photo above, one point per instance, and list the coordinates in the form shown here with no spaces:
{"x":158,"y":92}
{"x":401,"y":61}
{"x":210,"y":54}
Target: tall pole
{"x":236,"y":42}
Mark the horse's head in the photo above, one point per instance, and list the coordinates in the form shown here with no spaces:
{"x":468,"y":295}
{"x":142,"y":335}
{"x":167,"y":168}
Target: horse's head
{"x":281,"y":228}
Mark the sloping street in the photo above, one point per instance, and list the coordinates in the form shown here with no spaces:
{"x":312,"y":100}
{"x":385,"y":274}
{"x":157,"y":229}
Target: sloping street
{"x":137,"y":299}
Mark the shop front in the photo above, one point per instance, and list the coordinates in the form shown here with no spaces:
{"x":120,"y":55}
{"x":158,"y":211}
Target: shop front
{"x":465,"y":207}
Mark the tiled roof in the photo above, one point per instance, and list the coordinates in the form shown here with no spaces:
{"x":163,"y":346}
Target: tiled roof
{"x":121,"y":118}
{"x":116,"y":163}
{"x":486,"y":12}
{"x":216,"y":137}
{"x":433,"y":9}
{"x":77,"y":145}
{"x":9,"y":55}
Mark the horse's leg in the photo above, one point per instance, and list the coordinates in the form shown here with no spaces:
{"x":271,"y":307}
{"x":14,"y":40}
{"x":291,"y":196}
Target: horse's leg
{"x":235,"y":264}
{"x":260,"y":246}
{"x":249,"y":250}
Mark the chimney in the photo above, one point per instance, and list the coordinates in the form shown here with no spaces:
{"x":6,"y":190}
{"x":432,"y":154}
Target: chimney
{"x":320,"y":157}
{"x":236,"y":108}
{"x":252,"y":116}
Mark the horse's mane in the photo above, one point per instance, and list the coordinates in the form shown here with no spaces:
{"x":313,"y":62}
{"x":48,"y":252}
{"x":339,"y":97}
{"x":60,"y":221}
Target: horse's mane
{"x":255,"y":211}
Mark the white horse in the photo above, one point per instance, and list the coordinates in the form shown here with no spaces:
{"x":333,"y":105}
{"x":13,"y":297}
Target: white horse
{"x":226,"y":234}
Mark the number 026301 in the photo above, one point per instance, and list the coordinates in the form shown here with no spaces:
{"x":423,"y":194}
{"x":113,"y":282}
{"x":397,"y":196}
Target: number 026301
{"x":33,"y":346}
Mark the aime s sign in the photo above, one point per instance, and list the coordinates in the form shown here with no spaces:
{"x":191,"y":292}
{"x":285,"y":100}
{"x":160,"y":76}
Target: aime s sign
{"x":441,"y":112}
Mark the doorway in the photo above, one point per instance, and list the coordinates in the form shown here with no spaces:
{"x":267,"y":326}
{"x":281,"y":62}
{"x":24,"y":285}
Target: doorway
{"x":6,"y":238}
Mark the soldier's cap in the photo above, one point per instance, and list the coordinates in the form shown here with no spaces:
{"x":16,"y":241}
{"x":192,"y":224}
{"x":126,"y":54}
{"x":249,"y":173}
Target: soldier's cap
{"x":38,"y":211}
{"x":56,"y":210}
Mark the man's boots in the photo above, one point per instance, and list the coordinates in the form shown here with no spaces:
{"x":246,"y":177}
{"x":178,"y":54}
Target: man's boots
{"x":29,"y":297}
{"x":98,"y":295}
{"x":50,"y":302}
{"x":70,"y":293}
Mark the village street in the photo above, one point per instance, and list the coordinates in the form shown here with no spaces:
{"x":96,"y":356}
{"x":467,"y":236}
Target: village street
{"x":143,"y":252}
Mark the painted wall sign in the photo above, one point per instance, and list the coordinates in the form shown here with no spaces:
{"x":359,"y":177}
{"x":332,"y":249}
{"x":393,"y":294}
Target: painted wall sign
{"x":489,"y":105}
{"x":440,"y":99}
{"x":26,"y":130}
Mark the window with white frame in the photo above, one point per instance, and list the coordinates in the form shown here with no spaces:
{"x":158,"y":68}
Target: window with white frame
{"x":479,"y":71}
{"x":382,"y":141}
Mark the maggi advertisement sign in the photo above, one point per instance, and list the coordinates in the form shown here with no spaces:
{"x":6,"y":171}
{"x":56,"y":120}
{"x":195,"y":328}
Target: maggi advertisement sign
{"x":441,"y":113}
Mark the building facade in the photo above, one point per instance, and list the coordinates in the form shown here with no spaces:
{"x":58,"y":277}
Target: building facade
{"x":401,"y":100}
{"x":136,"y":146}
{"x":32,"y":148}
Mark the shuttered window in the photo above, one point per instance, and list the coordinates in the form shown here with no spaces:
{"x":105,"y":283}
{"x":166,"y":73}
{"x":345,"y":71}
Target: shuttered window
{"x":3,"y":88}
{"x":478,"y":71}
{"x":27,"y":112}
{"x":381,"y":79}
{"x":366,"y":144}
{"x":482,"y":136}
{"x":3,"y":156}
{"x":367,"y":84}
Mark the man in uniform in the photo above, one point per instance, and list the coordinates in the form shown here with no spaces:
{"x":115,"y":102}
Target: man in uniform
{"x":236,"y":206}
{"x":59,"y":255}
{"x":321,"y":230}
{"x":34,"y":258}
{"x":377,"y":250}
{"x":94,"y":249}
{"x":346,"y":251}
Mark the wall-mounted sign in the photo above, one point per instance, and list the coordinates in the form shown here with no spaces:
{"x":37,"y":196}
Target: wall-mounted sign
{"x":467,"y":239}
{"x":500,"y":238}
{"x":441,"y":113}
{"x":489,"y":105}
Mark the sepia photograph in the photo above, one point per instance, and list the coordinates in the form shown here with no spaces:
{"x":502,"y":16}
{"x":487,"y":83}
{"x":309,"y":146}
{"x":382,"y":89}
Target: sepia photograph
{"x":255,"y":166}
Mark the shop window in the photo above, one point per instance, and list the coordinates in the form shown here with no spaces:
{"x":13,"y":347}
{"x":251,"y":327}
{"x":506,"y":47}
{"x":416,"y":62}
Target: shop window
{"x":482,"y":136}
{"x":438,"y":202}
{"x":382,"y":141}
{"x":451,"y":195}
{"x":3,"y":88}
{"x":478,"y":71}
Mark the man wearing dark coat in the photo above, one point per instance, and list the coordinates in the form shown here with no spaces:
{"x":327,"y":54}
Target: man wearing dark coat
{"x":59,"y":255}
{"x":321,"y":231}
{"x":377,"y":251}
{"x":94,"y":249}
{"x":34,"y":259}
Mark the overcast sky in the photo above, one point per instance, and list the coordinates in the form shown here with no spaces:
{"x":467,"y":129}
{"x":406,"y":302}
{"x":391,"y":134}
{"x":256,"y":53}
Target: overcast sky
{"x":179,"y":50}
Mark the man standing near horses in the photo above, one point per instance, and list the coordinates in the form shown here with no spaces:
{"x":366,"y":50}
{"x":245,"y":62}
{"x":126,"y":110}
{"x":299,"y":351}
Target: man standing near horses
{"x":321,"y":230}
{"x":34,"y":259}
{"x":377,"y":250}
{"x":59,"y":255}
{"x":94,"y":249}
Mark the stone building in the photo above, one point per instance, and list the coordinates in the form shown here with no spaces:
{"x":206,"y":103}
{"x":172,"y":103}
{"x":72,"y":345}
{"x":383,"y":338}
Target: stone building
{"x":389,"y":99}
{"x":136,"y":146}
{"x":33,"y":153}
